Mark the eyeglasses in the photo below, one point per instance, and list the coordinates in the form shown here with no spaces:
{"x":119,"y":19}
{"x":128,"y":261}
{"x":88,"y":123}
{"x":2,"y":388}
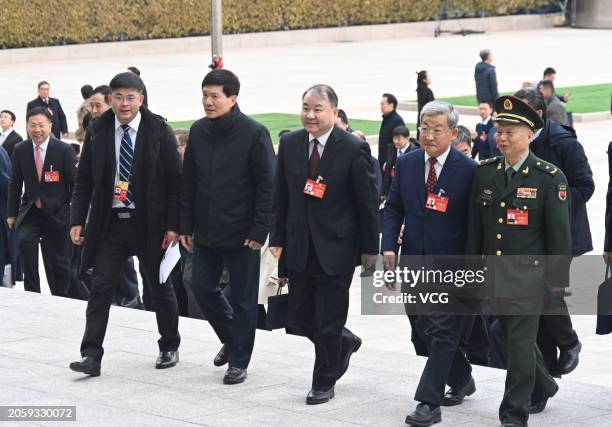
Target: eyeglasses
{"x":120,"y":98}
{"x":437,"y":132}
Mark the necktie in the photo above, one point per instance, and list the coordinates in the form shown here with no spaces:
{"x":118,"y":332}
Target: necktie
{"x":126,"y":156}
{"x":313,"y":161}
{"x":39,"y":167}
{"x":432,"y":180}
{"x":510,"y":172}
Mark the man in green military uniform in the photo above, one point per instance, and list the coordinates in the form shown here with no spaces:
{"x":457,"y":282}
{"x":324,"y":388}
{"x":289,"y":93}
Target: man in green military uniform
{"x":519,"y":217}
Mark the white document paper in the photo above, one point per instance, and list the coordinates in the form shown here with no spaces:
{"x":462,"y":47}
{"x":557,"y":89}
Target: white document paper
{"x":171,"y":257}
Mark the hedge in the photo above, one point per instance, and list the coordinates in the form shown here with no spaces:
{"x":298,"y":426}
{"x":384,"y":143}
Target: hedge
{"x":44,"y":22}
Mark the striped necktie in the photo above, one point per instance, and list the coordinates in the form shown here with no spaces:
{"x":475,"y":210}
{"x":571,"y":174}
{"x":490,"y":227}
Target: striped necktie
{"x":126,"y":157}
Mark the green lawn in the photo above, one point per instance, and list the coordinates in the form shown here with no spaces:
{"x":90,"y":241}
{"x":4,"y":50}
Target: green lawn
{"x":585,"y":99}
{"x":275,"y":122}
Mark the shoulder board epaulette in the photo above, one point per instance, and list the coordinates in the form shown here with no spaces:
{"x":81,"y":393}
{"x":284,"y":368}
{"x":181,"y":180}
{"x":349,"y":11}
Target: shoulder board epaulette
{"x":546,"y":167}
{"x":488,"y":161}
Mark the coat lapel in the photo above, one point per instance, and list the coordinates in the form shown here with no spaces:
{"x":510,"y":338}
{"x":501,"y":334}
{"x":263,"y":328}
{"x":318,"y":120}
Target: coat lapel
{"x":448,"y":170}
{"x":302,"y":159}
{"x":499,"y":179}
{"x":419,"y":180}
{"x":31,"y":164}
{"x":331,"y":147}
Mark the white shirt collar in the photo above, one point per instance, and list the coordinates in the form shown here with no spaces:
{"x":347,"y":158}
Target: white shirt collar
{"x":485,"y":121}
{"x":537,"y":133}
{"x":133,"y":124}
{"x":7,"y":132}
{"x":441,"y":158}
{"x":43,"y":146}
{"x":403,"y":150}
{"x":322,"y":139}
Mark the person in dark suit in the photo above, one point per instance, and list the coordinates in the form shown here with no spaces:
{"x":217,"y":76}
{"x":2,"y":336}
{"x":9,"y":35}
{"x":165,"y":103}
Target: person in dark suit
{"x":128,"y":180}
{"x":46,"y":167}
{"x":558,"y":145}
{"x":5,"y":179}
{"x":436,"y":169}
{"x":391,"y":120}
{"x":401,"y":145}
{"x":481,"y":143}
{"x":519,"y":224}
{"x":8,"y":136}
{"x":424,"y":94}
{"x":319,"y":235}
{"x":226,"y":205}
{"x":486,"y":78}
{"x":58,"y":118}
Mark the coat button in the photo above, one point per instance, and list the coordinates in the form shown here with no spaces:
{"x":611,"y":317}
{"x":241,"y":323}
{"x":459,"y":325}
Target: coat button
{"x":499,"y":237}
{"x":536,"y":263}
{"x":524,"y":208}
{"x":498,"y":253}
{"x":500,"y":220}
{"x":502,"y":204}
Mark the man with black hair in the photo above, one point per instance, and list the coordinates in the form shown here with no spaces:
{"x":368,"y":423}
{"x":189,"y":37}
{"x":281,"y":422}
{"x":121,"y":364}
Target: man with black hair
{"x":326,"y":213}
{"x":558,"y":145}
{"x":549,"y":75}
{"x":555,"y":109}
{"x":130,"y":187}
{"x":8,"y":136}
{"x":401,"y":145}
{"x":226,"y":207}
{"x":58,"y":117}
{"x":45,"y":166}
{"x":391,"y":120}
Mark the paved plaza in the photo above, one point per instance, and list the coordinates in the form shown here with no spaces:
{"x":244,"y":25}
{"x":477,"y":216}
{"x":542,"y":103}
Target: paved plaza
{"x":40,"y":334}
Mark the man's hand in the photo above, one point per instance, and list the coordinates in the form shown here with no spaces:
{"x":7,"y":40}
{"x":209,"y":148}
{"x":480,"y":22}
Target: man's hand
{"x":11,"y":220}
{"x":368,"y":260}
{"x":187,"y":241}
{"x":567,"y":96}
{"x":384,"y":168}
{"x":607,"y":256}
{"x":282,"y":281}
{"x":276,"y":251}
{"x":400,"y":238}
{"x":170,"y":238}
{"x":389,"y":258}
{"x":252,"y":244}
{"x":75,"y":235}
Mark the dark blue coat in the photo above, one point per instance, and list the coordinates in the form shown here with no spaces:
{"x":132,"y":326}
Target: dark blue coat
{"x":426,"y":231}
{"x":481,"y":143}
{"x":558,"y":145}
{"x":486,"y":82}
{"x":608,"y":219}
{"x":5,"y":179}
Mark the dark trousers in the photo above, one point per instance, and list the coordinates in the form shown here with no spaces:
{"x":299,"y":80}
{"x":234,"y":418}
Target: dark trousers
{"x":556,"y":331}
{"x":446,"y":363}
{"x":527,"y":377}
{"x":234,"y":323}
{"x":34,"y":230}
{"x":123,"y":240}
{"x":318,"y":307}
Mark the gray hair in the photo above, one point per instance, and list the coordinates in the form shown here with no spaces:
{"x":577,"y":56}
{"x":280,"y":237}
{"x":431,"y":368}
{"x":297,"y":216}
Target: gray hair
{"x":435,"y":108}
{"x":323,"y":91}
{"x":484,"y":54}
{"x":463,"y":136}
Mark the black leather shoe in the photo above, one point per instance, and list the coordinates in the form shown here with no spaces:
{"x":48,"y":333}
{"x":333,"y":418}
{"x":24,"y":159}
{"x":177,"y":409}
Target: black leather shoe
{"x":221,"y":357}
{"x":456,"y":396}
{"x":347,"y":352}
{"x":424,"y":416}
{"x":87,"y":366}
{"x":316,"y":397}
{"x":234,"y":375}
{"x":167,"y":359}
{"x":537,"y":407}
{"x":568,"y":359}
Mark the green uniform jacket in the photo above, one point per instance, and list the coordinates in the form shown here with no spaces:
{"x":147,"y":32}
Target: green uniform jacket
{"x":523,"y":260}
